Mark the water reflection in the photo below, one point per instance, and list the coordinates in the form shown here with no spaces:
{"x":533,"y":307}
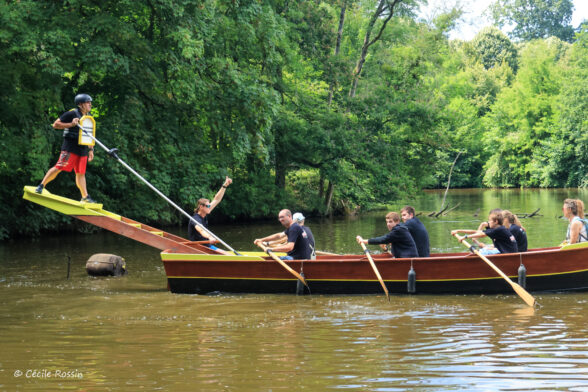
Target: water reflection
{"x":130,"y":333}
{"x":338,"y":234}
{"x":278,"y":342}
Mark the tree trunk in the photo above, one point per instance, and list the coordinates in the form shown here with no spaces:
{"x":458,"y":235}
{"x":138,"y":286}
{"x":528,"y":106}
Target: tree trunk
{"x":383,"y":6}
{"x":449,"y":180}
{"x":280,"y":174}
{"x":337,"y":48}
{"x":329,"y":198}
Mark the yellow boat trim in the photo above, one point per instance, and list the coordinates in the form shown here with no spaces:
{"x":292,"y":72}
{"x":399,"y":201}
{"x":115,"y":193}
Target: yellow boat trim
{"x":214,"y":277}
{"x":514,"y":278}
{"x":578,"y":245}
{"x":309,"y":280}
{"x":206,"y":257}
{"x":453,"y":280}
{"x":246,"y":256}
{"x":259,"y":253}
{"x":560,"y":273}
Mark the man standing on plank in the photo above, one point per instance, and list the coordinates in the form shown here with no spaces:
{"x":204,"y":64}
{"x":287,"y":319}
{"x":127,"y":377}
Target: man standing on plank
{"x":73,"y":155}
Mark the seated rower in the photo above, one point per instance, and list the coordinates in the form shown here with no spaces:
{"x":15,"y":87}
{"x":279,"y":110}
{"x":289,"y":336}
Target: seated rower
{"x":299,"y":218}
{"x":399,"y":237}
{"x":513,"y":224}
{"x":573,"y":210}
{"x":297,"y":244}
{"x":199,"y":231}
{"x":417,"y":230}
{"x":502,"y":238}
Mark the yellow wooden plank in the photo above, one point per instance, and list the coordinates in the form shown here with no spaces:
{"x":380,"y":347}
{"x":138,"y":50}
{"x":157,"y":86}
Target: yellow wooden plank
{"x":578,"y":245}
{"x":64,"y":205}
{"x":203,"y":257}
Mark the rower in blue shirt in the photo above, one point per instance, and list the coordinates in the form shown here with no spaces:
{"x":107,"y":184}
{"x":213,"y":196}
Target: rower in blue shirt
{"x":399,"y":237}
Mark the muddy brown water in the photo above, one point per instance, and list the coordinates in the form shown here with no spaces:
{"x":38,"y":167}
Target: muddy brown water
{"x":130,"y":333}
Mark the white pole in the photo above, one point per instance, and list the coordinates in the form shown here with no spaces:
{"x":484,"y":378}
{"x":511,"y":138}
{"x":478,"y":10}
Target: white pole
{"x":112,"y":153}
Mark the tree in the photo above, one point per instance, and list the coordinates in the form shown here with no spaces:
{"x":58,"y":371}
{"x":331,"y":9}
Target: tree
{"x":185,"y":91}
{"x":534,"y":19}
{"x":524,"y":116}
{"x":492,"y":47}
{"x":384,"y":11}
{"x":562,"y":160}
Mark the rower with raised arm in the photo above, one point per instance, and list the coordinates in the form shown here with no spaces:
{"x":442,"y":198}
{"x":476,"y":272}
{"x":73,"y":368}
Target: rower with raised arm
{"x":197,"y":232}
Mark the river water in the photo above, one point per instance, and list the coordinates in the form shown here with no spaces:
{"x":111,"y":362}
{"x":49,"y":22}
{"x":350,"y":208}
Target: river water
{"x":130,"y":333}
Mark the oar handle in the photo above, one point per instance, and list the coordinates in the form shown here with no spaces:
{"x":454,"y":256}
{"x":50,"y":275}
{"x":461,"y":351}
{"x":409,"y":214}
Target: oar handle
{"x":323,"y":253}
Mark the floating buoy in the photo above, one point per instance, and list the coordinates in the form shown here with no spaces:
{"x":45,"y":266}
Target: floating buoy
{"x":522,"y":276}
{"x":104,"y":264}
{"x":411,"y":284}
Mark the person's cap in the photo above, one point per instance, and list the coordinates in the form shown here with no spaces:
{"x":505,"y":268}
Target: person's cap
{"x":298,"y":217}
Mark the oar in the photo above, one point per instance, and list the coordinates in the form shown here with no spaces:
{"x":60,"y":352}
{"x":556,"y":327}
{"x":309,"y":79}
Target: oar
{"x":282,"y":263}
{"x":367,"y":253}
{"x":113,"y":153}
{"x":322,"y":253}
{"x":528,"y":298}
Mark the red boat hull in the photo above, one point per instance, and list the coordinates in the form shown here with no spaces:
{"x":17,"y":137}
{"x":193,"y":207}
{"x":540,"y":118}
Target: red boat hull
{"x":548,"y":269}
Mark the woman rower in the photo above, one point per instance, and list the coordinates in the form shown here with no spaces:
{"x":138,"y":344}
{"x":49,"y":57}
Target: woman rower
{"x":573,"y":210}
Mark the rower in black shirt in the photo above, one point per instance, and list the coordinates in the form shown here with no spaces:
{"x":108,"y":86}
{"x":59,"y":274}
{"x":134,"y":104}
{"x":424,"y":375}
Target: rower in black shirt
{"x":502,"y":238}
{"x":417,"y":230}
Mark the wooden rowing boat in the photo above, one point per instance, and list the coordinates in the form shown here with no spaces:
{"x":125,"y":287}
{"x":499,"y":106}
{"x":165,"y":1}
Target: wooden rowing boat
{"x":550,"y":269}
{"x":192,"y":267}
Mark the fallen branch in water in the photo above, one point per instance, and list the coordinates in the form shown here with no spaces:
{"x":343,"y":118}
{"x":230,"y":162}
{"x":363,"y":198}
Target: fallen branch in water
{"x":451,"y":209}
{"x":527,"y":215}
{"x":449,"y":180}
{"x":436,"y":214}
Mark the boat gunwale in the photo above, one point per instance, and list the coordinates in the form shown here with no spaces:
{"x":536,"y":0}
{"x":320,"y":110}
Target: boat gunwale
{"x":215,"y":257}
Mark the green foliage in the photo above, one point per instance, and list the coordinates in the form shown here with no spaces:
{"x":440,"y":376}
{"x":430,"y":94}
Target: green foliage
{"x":190,"y":92}
{"x":524,"y":117}
{"x":533,"y":19}
{"x":493,"y":48}
{"x":563,"y":158}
